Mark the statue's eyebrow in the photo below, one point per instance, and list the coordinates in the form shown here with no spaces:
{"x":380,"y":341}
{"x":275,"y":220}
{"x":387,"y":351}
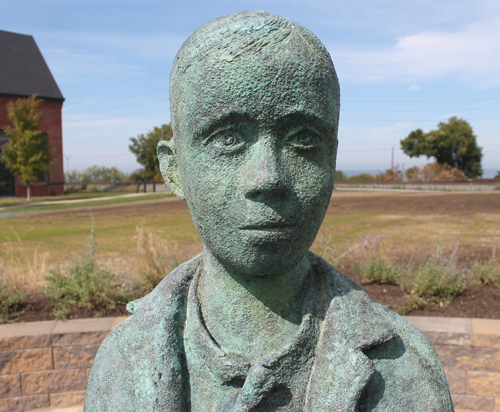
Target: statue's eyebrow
{"x":305,"y":118}
{"x":225,"y":120}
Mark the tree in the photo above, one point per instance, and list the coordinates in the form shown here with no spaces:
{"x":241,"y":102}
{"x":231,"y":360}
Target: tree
{"x":144,"y":148}
{"x":28,"y":153}
{"x":340,"y":176}
{"x":97,"y":174}
{"x":453,"y":144}
{"x":497,"y":176}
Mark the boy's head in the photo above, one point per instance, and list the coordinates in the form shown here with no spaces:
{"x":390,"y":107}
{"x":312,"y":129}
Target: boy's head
{"x":255,"y":106}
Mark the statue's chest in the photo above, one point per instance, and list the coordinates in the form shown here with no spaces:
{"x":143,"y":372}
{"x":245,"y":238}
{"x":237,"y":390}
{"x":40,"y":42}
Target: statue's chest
{"x":223,"y":382}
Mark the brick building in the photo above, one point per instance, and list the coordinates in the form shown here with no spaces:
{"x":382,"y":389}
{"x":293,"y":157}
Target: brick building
{"x":23,"y":72}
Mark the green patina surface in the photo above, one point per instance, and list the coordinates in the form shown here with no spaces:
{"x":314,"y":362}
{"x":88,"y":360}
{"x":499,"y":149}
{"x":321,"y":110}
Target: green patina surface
{"x":256,"y":322}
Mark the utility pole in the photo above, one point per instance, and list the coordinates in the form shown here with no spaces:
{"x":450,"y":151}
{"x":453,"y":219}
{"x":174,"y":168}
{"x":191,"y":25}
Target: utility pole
{"x":67,"y":156}
{"x":392,"y":160}
{"x":392,"y":164}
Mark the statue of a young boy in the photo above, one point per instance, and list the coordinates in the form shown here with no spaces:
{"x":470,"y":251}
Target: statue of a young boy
{"x":256,"y":322}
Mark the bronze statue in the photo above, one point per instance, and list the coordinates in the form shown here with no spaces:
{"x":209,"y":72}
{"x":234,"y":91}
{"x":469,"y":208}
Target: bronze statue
{"x":256,"y":322}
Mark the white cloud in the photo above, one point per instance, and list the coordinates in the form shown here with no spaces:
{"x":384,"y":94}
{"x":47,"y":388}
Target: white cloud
{"x":472,"y":55}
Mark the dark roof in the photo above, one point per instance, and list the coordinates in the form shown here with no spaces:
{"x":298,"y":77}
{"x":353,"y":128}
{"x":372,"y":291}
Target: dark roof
{"x":23,"y":70}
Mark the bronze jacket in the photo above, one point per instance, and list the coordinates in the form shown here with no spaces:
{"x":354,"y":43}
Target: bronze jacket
{"x":367,"y":358}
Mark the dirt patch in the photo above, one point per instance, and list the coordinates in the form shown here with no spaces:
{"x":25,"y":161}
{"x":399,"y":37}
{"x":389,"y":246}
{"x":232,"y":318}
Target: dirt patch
{"x":479,"y":301}
{"x":443,"y":203}
{"x":39,"y":308}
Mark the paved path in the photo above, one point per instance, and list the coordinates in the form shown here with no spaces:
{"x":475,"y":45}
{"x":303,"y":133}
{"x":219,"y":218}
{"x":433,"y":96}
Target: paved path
{"x":93,"y":199}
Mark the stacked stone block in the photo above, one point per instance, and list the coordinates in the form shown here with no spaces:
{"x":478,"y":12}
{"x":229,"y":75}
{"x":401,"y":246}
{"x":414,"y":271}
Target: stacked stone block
{"x":469,"y":350}
{"x":46,"y":364}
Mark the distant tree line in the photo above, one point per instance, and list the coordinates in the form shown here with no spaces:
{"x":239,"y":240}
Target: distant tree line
{"x":97,"y":174}
{"x":427,"y":173}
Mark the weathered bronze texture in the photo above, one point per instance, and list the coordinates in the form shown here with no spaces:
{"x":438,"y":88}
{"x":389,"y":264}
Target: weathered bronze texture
{"x":256,"y":322}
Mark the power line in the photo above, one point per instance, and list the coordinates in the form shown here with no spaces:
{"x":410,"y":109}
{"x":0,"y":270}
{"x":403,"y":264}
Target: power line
{"x":421,"y":110}
{"x":419,"y":101}
{"x":411,"y":120}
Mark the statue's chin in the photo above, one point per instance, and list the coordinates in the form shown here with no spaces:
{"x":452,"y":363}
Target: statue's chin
{"x":261,"y":264}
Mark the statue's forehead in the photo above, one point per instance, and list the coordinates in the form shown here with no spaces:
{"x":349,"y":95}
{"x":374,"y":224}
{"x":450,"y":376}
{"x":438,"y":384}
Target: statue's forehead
{"x":265,"y":87}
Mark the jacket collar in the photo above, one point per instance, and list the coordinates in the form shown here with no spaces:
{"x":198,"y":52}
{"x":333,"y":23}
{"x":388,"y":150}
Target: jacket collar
{"x":353,"y":323}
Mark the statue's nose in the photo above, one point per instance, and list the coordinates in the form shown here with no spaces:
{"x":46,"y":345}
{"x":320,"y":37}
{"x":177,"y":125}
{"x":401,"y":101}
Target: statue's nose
{"x":264,"y":175}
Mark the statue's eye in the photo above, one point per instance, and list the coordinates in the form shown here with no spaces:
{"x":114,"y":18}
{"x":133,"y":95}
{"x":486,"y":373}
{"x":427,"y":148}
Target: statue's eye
{"x":306,"y":139}
{"x":228,"y":140}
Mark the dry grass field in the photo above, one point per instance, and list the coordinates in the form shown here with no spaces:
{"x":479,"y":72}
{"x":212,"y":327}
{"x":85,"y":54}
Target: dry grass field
{"x":358,"y":225}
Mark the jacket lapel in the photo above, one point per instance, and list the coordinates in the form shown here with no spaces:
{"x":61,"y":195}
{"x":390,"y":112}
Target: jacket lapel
{"x":352,"y":324}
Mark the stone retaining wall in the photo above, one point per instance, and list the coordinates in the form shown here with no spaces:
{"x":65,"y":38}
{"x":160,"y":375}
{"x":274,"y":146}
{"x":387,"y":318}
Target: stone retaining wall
{"x":46,"y":364}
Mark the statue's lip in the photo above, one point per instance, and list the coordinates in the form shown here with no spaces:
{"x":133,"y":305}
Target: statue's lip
{"x":267,"y":226}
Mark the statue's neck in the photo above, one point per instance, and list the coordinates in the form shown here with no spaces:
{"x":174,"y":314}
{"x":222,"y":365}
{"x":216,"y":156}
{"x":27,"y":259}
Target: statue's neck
{"x":247,"y":314}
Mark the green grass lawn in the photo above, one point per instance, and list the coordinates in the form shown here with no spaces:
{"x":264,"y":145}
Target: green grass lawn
{"x":38,"y":241}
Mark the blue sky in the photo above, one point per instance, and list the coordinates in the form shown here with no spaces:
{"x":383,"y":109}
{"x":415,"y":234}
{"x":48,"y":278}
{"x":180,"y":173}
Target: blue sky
{"x":402,"y":65}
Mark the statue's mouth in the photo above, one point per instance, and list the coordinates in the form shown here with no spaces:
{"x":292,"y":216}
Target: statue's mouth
{"x":268,"y":226}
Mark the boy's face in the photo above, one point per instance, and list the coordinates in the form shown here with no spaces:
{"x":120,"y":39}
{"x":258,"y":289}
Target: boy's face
{"x":256,"y":150}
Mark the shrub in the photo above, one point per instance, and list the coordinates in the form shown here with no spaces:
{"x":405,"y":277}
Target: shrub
{"x":340,"y":176}
{"x":10,"y":301}
{"x":84,"y":284}
{"x":435,"y":282}
{"x":487,"y":273}
{"x":379,"y":271}
{"x":361,"y":178}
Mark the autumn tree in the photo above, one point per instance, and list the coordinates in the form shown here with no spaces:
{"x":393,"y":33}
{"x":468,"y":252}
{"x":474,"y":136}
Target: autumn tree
{"x":28,"y":153}
{"x":144,"y":148}
{"x":452,"y":144}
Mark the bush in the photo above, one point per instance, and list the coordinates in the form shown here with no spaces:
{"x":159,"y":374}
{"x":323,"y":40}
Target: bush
{"x":379,"y":271}
{"x":435,"y":282}
{"x":361,"y":178}
{"x":340,"y":176}
{"x":487,"y":273}
{"x":84,"y":284}
{"x":10,"y":301}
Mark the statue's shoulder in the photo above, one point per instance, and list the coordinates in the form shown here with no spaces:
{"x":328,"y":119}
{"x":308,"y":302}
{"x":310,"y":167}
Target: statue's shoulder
{"x":405,"y":363}
{"x":346,"y":295}
{"x":135,"y":348}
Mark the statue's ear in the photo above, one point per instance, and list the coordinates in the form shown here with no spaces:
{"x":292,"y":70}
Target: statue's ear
{"x":169,"y":167}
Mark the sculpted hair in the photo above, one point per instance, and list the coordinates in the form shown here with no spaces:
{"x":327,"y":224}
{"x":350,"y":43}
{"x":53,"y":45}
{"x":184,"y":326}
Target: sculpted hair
{"x":224,"y":40}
